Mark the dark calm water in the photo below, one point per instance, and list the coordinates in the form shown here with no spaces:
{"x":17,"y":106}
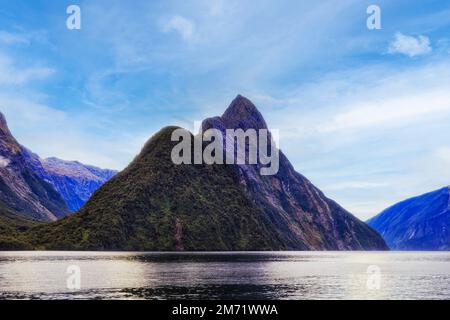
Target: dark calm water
{"x":275,"y":275}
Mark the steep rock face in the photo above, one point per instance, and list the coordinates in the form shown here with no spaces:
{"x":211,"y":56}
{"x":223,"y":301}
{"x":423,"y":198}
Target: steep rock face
{"x":419,"y":223}
{"x":76,"y":182}
{"x":21,"y":189}
{"x":304,"y":218}
{"x":156,"y":205}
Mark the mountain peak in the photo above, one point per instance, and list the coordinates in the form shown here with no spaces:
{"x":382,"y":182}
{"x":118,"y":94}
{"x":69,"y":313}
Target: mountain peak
{"x":8,"y":144}
{"x":4,"y":130}
{"x":161,"y":142}
{"x":241,"y":102}
{"x":243,"y":114}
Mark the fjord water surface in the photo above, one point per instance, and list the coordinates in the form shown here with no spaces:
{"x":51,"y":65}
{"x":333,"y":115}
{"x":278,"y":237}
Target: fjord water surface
{"x":233,"y":275}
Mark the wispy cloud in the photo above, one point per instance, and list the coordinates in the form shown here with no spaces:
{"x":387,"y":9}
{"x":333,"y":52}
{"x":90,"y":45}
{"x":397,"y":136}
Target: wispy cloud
{"x":11,"y":74}
{"x":392,"y":111}
{"x":216,"y":7}
{"x":183,"y":26}
{"x":358,"y":134}
{"x":10,"y":38}
{"x":444,"y":154}
{"x":364,"y":99}
{"x":52,"y":132}
{"x":410,"y":45}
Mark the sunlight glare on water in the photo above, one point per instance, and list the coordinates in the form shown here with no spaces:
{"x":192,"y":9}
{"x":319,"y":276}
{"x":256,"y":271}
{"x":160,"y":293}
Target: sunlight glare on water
{"x":234,"y":275}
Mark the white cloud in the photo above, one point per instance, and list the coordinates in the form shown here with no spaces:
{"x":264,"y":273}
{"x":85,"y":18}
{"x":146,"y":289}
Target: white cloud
{"x":363,"y":99}
{"x":443,"y":154}
{"x":11,"y":74}
{"x":183,"y":26}
{"x":13,"y":38}
{"x":216,"y":7}
{"x":359,"y":134}
{"x":410,"y":45}
{"x":50,"y":132}
{"x":391,"y":111}
{"x":438,"y":165}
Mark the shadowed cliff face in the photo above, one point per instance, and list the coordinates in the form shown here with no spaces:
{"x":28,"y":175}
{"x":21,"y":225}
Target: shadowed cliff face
{"x":419,"y":223}
{"x":304,"y":218}
{"x":21,"y":189}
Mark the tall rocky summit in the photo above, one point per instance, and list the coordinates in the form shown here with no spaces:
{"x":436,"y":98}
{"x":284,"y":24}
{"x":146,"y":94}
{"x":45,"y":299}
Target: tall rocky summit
{"x":155,"y":204}
{"x":300,"y":214}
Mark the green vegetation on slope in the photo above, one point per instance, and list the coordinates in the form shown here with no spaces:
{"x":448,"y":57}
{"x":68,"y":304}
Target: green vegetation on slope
{"x":13,"y":228}
{"x":156,"y":205}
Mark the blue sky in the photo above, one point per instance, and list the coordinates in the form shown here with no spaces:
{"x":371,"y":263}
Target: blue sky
{"x":364,"y":114}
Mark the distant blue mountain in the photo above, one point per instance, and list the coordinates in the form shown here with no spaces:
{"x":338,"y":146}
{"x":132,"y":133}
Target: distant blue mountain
{"x":74,"y":181}
{"x":419,"y":223}
{"x":22,"y":190}
{"x":43,"y":189}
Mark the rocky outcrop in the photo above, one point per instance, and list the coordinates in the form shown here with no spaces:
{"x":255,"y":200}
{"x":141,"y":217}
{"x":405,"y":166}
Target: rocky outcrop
{"x":419,"y":223}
